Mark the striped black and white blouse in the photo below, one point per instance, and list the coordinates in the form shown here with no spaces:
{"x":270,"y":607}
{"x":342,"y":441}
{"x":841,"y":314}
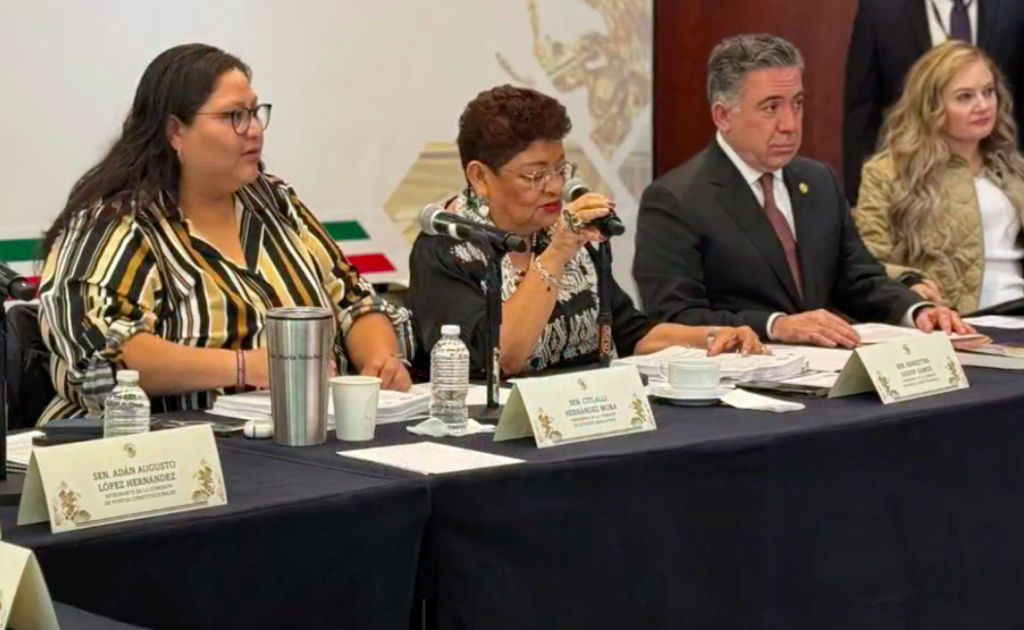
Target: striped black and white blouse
{"x":105,"y":281}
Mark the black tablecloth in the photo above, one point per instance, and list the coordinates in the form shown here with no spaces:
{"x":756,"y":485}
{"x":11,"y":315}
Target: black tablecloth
{"x":75,"y":619}
{"x":849,"y":514}
{"x":297,"y":546}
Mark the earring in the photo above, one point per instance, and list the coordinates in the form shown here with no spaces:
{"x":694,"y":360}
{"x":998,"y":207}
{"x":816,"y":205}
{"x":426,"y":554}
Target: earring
{"x":477,"y":203}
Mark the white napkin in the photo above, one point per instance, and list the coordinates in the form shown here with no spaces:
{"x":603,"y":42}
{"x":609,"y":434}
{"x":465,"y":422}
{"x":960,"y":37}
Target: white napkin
{"x":435,"y":427}
{"x":742,"y":399}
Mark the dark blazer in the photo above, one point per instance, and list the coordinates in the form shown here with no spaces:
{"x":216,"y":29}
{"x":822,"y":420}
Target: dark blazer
{"x":888,"y":37}
{"x":707,"y":254}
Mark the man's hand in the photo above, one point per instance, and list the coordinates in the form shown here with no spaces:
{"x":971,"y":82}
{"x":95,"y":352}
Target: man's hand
{"x":929,"y":291}
{"x":391,"y":372}
{"x":932,"y":318}
{"x":820,"y":328}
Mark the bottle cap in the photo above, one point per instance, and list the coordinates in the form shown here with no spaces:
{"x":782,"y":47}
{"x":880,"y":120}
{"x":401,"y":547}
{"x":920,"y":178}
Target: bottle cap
{"x":450,"y":329}
{"x":130,"y":377}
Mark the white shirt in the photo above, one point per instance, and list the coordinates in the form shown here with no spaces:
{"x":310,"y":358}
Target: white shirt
{"x":753,"y":177}
{"x":1002,"y":280}
{"x":938,"y":29}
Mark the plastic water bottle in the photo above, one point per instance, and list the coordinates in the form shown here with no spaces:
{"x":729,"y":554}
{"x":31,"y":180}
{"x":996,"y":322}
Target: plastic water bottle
{"x":449,"y":379}
{"x":126,"y":410}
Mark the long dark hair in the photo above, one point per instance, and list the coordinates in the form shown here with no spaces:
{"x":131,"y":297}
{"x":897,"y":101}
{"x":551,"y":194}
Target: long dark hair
{"x":142,"y":164}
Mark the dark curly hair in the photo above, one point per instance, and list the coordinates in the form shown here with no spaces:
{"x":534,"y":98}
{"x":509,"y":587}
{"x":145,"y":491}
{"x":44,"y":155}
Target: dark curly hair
{"x":500,"y":123}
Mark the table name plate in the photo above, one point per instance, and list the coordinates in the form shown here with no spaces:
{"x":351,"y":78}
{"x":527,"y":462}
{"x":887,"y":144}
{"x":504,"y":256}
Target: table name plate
{"x":903,"y":370}
{"x":24,"y":599}
{"x":576,"y":407}
{"x":87,"y":484}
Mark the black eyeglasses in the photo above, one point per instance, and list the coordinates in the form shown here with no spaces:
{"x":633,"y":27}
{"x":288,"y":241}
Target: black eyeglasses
{"x":241,"y":118}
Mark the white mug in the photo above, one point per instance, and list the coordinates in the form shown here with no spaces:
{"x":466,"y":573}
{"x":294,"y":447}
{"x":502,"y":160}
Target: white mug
{"x":692,"y":374}
{"x":355,"y":407}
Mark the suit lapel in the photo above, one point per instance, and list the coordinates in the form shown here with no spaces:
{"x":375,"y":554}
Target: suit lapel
{"x":737,"y":199}
{"x":917,"y":22}
{"x":987,"y":12}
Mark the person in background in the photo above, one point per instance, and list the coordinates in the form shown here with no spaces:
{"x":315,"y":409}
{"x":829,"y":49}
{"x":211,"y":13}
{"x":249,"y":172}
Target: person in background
{"x":941,"y":203}
{"x":510,"y":143}
{"x":747,"y":233}
{"x":173,"y":247}
{"x":890,"y":35}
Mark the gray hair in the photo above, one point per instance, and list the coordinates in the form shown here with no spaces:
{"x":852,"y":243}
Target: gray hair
{"x":736,"y":57}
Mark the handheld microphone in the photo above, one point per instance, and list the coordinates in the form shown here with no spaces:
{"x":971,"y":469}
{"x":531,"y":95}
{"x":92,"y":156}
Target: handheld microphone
{"x":436,"y":220}
{"x":13,"y":285}
{"x":610,"y":225}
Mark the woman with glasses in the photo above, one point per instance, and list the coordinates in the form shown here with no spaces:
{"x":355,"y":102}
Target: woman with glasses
{"x":510,"y":143}
{"x":173,"y":247}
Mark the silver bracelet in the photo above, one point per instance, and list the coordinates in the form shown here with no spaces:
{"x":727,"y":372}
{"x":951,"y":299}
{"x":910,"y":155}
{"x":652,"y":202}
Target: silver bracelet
{"x":548,"y":279}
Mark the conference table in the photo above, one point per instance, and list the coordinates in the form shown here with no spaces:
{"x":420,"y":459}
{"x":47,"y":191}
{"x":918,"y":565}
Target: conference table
{"x":297,"y":546}
{"x":71,"y":618}
{"x":848,"y":514}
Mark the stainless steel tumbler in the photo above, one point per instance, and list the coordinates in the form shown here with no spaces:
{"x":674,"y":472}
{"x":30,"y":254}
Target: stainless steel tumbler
{"x":300,"y":344}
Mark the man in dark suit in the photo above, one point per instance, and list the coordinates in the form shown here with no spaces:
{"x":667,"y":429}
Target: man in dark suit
{"x":747,"y":233}
{"x":890,"y":35}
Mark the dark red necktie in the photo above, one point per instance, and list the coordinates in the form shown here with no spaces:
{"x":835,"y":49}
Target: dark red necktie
{"x":782,"y":230}
{"x":960,"y":22}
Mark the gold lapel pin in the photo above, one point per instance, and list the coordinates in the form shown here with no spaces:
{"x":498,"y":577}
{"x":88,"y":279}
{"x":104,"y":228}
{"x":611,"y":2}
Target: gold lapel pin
{"x":803,"y":188}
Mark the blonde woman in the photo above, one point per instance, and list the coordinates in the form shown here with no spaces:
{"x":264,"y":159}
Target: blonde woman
{"x":941,"y":203}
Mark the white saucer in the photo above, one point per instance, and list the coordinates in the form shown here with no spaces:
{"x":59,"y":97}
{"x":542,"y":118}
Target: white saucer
{"x":690,"y":398}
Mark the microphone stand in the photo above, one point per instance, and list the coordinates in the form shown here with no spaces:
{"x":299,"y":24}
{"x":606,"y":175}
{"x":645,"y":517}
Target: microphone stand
{"x":10,"y":487}
{"x":604,"y":298}
{"x":493,"y":306}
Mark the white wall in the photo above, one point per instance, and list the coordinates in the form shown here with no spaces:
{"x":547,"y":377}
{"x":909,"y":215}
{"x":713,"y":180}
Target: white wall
{"x":358,"y":88}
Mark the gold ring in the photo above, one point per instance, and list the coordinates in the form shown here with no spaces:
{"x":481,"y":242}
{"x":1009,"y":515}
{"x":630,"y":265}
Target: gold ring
{"x":573,"y":221}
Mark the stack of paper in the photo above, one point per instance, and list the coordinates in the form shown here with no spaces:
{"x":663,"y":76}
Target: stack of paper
{"x":19,"y":450}
{"x":735,"y":367}
{"x":883,"y":333}
{"x":997,"y":321}
{"x":818,"y":359}
{"x":823,"y":365}
{"x":997,"y":356}
{"x":391,"y":406}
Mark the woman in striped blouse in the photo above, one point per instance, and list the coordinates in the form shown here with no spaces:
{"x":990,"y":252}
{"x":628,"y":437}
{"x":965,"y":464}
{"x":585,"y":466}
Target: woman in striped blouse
{"x":170,"y":251}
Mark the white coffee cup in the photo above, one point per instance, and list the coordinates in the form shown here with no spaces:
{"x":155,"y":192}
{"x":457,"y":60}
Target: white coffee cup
{"x":692,"y":375}
{"x":355,"y":407}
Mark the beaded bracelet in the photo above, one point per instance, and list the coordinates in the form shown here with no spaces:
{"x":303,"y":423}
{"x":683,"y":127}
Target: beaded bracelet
{"x":548,"y":279}
{"x":240,"y":369}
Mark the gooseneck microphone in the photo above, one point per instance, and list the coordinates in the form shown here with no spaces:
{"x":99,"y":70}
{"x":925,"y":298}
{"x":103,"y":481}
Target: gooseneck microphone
{"x":13,"y":285}
{"x":609,"y":226}
{"x":436,"y":220}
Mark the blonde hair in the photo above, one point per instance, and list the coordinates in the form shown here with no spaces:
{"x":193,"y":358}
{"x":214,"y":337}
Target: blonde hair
{"x":911,"y":137}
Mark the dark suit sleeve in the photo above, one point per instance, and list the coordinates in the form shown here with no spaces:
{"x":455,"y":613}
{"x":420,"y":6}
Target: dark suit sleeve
{"x":862,"y":107}
{"x":669,"y":268}
{"x":629,"y":324}
{"x":863,"y":290}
